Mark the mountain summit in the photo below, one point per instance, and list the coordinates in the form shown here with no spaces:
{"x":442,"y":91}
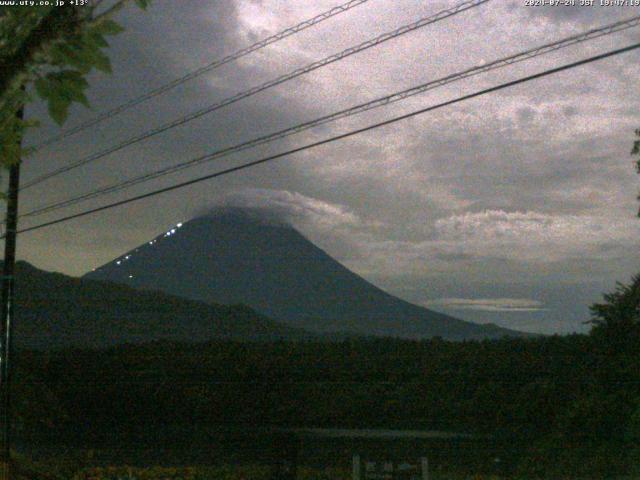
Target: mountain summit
{"x":238,"y":256}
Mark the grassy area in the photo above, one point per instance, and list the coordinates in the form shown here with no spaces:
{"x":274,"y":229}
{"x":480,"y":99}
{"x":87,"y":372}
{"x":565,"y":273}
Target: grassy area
{"x":69,"y":469}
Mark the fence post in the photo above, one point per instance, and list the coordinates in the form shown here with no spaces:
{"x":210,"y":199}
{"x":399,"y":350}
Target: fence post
{"x":424,"y":463}
{"x":356,"y":467}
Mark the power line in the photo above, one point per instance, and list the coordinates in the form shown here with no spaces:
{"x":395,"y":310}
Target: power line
{"x":394,"y":97}
{"x":207,"y":68}
{"x":335,"y":138}
{"x":271,"y":83}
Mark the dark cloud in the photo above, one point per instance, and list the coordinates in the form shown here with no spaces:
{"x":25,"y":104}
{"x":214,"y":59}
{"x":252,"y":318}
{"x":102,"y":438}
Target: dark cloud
{"x":525,"y":115}
{"x":570,"y":111}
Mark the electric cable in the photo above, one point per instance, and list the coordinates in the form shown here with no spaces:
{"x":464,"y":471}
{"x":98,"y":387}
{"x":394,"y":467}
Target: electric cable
{"x":260,"y":88}
{"x":202,"y":70}
{"x":335,"y":138}
{"x":379,"y":102}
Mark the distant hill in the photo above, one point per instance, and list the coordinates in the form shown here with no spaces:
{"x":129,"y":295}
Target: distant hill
{"x":238,"y":256}
{"x":55,"y":310}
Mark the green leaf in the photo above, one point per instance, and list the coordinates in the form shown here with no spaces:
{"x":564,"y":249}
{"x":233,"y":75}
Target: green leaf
{"x":42,"y":87}
{"x":78,"y":95}
{"x":95,"y":39}
{"x":57,"y":55}
{"x":102,"y":62}
{"x":107,"y":27}
{"x":60,"y":89}
{"x":58,"y":109}
{"x":81,"y":58}
{"x":143,"y":4}
{"x":72,"y":77}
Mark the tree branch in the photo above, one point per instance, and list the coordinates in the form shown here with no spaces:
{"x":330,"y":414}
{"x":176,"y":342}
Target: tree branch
{"x":57,"y":23}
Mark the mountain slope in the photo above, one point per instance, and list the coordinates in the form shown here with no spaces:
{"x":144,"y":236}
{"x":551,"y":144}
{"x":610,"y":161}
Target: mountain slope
{"x":55,"y":310}
{"x":234,"y":256}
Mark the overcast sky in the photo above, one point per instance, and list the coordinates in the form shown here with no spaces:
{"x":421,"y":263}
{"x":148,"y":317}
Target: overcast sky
{"x":516,"y":208}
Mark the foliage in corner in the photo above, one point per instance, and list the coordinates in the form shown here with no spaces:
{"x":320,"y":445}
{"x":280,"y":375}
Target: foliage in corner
{"x":53,"y":49}
{"x":620,"y":311}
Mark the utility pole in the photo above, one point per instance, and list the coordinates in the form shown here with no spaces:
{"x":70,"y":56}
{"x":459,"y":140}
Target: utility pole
{"x":7,"y":309}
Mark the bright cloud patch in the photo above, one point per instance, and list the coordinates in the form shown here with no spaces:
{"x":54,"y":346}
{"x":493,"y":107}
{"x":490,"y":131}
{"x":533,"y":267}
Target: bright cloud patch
{"x":292,"y":208}
{"x":535,"y":236}
{"x":488,"y":304}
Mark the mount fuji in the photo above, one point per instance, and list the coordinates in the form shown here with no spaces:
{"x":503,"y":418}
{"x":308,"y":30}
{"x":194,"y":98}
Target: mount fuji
{"x":235,"y":256}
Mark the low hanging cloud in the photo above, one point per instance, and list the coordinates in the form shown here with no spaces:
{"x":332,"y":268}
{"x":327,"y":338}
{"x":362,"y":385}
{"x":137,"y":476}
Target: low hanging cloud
{"x":290,"y":207}
{"x":332,"y":226}
{"x":488,"y":304}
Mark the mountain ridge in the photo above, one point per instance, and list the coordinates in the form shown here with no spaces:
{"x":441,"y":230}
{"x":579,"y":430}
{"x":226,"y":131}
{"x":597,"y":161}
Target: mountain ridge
{"x":239,"y":256}
{"x":54,"y":310}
